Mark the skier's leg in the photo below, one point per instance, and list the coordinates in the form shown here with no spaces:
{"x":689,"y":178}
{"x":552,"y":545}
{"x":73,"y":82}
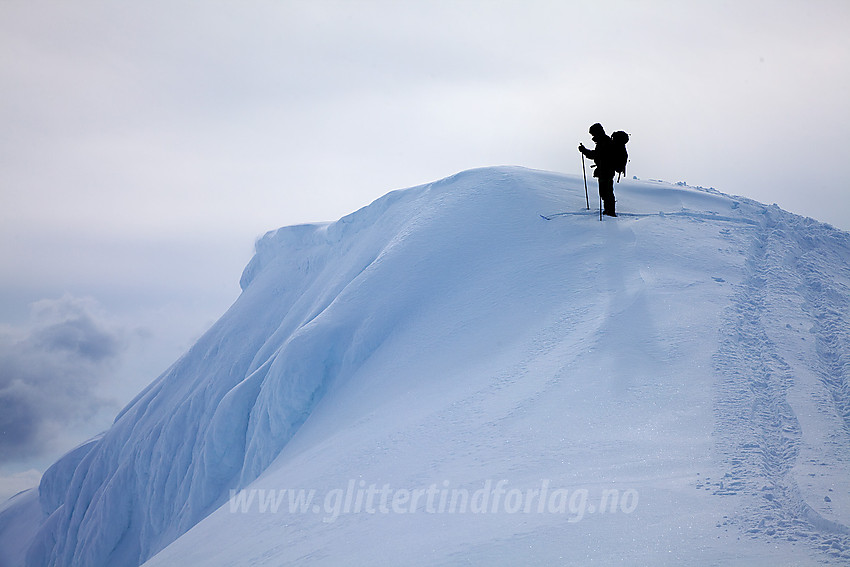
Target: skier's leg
{"x":606,"y":191}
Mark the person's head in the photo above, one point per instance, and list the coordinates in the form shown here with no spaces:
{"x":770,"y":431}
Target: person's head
{"x":597,"y":130}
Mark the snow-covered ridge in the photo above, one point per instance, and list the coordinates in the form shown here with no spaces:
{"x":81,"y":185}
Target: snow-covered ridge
{"x":681,"y":324}
{"x":221,"y":413}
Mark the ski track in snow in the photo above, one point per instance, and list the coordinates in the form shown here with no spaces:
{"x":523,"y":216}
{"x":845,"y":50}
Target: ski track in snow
{"x":759,"y":433}
{"x":683,"y":213}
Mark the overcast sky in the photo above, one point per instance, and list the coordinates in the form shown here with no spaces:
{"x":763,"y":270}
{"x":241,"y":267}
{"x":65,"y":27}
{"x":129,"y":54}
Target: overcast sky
{"x":145,"y":145}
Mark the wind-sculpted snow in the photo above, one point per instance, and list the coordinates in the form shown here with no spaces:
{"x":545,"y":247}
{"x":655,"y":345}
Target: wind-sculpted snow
{"x":317,"y":300}
{"x":692,"y":353}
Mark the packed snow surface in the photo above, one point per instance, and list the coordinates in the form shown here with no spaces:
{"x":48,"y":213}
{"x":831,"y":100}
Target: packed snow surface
{"x":445,"y":377}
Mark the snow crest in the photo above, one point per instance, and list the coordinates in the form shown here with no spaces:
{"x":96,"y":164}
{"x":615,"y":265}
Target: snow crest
{"x":221,"y":414}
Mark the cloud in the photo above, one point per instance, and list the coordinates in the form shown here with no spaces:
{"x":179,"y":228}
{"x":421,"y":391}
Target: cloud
{"x":17,"y":482}
{"x":50,"y":371}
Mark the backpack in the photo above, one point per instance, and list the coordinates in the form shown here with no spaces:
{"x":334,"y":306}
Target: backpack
{"x":618,"y":152}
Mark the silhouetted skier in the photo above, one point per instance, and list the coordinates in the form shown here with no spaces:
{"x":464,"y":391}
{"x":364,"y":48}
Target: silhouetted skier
{"x":603,"y":156}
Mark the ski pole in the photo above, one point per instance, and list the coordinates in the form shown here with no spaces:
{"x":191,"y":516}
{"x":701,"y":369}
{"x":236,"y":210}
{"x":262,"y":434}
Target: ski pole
{"x":586,"y":198}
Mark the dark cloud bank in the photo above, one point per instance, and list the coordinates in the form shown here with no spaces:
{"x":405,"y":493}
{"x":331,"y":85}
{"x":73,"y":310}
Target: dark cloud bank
{"x":50,"y":371}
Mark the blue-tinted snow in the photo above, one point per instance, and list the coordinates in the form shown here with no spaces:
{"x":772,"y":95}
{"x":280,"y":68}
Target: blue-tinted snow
{"x":693,"y":350}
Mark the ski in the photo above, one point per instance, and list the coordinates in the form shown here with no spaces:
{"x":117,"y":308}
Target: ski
{"x":554,"y":215}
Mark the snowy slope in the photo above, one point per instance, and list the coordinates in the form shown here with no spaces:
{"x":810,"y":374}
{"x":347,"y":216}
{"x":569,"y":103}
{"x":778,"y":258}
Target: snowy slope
{"x":451,"y":379}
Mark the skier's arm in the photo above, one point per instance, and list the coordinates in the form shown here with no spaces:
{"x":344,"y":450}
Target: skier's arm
{"x":589,"y":153}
